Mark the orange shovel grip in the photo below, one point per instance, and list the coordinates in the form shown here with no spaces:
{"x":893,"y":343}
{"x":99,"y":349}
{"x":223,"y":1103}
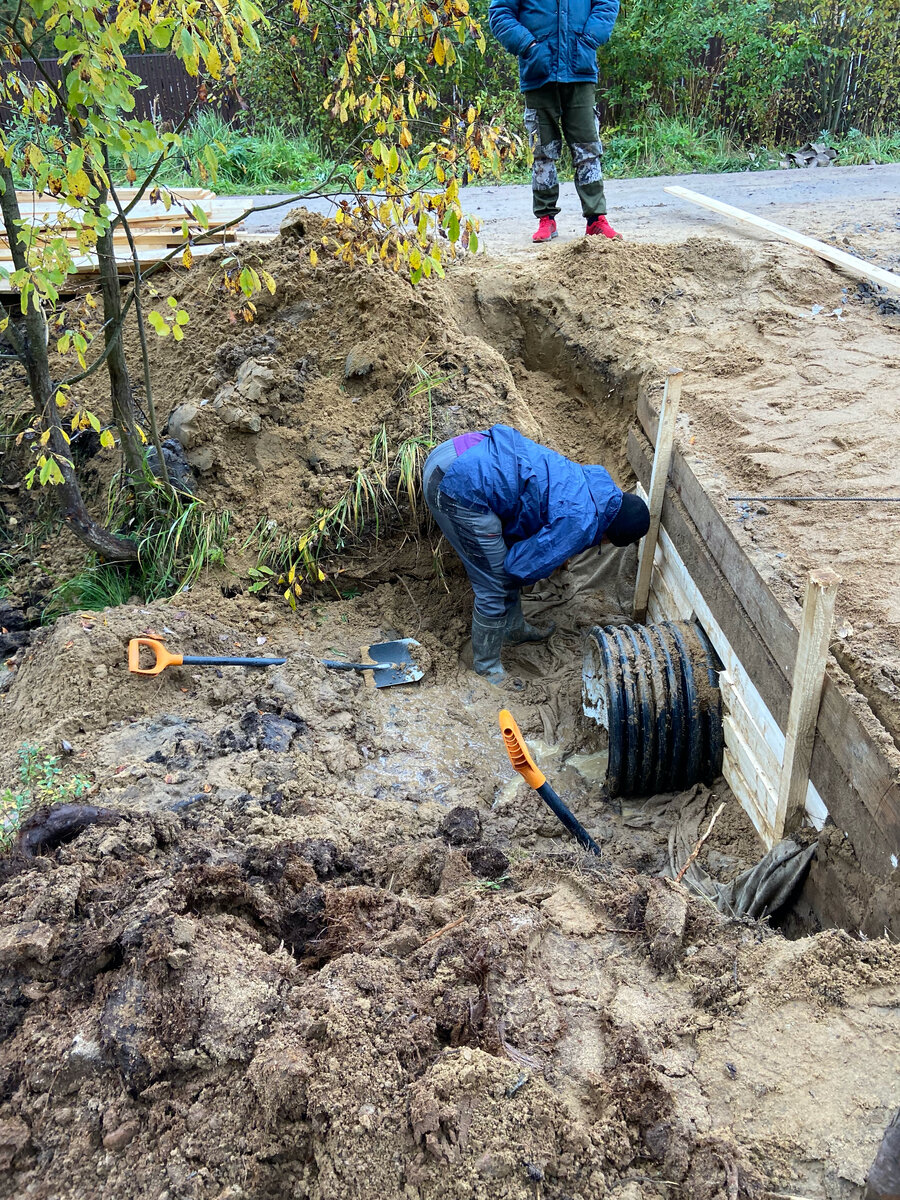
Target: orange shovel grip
{"x":163,"y":657}
{"x":518,"y":751}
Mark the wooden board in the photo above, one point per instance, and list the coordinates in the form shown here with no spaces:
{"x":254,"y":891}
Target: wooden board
{"x":149,"y":238}
{"x":856,"y":779}
{"x":754,"y":741}
{"x":86,"y":264}
{"x":655,"y":492}
{"x":840,"y":258}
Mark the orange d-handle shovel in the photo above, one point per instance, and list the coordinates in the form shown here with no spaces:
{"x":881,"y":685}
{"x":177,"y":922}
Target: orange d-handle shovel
{"x":534,"y":777}
{"x":166,"y":659}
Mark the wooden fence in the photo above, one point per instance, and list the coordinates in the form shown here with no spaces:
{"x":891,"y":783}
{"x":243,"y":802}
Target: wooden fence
{"x":167,"y":90}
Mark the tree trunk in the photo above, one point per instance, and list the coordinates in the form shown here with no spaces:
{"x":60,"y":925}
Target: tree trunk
{"x":119,"y":382}
{"x":37,"y":366}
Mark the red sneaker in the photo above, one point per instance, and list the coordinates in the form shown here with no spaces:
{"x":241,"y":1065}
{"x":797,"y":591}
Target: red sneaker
{"x":599,"y":224}
{"x":546,"y":230}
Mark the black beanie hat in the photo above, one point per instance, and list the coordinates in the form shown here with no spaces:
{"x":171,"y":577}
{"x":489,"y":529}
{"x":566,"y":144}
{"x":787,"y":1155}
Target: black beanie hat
{"x":630,"y":523}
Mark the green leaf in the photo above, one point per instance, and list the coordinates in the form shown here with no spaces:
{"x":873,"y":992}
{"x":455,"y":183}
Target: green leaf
{"x":161,"y":35}
{"x":245,"y":279}
{"x":171,"y":301}
{"x":453,"y":226}
{"x":473,"y":241}
{"x":181,"y":317}
{"x":158,"y":321}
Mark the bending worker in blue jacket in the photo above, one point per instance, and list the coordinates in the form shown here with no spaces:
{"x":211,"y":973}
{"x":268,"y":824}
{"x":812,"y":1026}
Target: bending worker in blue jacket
{"x":556,"y":42}
{"x":514,"y":511}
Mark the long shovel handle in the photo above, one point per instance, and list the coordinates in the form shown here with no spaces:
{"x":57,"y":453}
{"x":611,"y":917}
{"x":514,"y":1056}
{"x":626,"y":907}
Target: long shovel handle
{"x":199,"y":660}
{"x":337,"y":664}
{"x":568,"y":818}
{"x":525,"y":765}
{"x":164,"y":658}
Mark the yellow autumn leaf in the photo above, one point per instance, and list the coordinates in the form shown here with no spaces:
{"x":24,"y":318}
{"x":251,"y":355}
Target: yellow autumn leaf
{"x":313,"y":258}
{"x":400,"y":70}
{"x":187,"y":258}
{"x":440,"y":53}
{"x":269,"y":281}
{"x":79,"y":184}
{"x":107,"y":441}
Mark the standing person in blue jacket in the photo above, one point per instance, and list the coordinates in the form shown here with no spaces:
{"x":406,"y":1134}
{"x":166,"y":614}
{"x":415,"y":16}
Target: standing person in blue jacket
{"x":514,"y":511}
{"x":556,"y":42}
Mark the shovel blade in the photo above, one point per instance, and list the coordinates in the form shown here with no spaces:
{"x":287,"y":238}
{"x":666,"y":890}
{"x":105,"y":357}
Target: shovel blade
{"x":403,"y":669}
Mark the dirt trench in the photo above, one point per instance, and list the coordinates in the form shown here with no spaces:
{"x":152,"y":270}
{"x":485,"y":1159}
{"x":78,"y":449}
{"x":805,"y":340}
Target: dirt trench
{"x":324,"y":943}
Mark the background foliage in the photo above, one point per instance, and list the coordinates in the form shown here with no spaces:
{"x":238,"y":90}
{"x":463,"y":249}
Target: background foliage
{"x":754,"y":70}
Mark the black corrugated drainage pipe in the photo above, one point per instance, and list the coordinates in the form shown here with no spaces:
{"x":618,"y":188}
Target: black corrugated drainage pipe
{"x":655,"y":689}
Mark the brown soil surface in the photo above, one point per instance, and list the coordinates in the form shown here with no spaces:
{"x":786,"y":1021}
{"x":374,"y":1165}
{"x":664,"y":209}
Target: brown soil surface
{"x":290,"y":967}
{"x":287,"y":963}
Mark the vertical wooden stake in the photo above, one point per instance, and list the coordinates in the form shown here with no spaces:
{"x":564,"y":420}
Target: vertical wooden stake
{"x":806,"y":694}
{"x":662,"y":458}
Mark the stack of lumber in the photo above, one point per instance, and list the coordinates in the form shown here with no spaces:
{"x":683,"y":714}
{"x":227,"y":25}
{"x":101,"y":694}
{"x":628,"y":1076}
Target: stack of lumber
{"x":156,"y":230}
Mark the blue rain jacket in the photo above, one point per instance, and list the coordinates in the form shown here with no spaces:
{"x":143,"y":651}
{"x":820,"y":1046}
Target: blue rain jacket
{"x":567,"y":32}
{"x":550,"y":507}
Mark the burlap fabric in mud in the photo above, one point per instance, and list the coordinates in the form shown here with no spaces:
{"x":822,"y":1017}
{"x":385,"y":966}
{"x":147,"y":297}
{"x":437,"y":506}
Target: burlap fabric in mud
{"x":758,"y":892}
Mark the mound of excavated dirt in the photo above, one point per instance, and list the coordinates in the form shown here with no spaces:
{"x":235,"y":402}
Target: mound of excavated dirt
{"x":195,"y":1004}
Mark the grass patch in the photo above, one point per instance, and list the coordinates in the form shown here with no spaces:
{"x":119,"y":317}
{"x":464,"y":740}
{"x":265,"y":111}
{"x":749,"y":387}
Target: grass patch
{"x":683,"y":146}
{"x":178,"y":539}
{"x":268,"y":158}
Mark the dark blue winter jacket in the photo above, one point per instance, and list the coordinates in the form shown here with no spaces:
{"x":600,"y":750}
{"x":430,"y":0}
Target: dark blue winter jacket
{"x":550,"y":507}
{"x":566,"y":32}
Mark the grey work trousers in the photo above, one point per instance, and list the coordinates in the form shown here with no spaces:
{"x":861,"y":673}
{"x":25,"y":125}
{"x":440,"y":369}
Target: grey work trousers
{"x":477,"y":537}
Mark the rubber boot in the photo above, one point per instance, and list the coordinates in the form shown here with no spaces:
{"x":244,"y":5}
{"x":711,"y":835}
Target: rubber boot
{"x":518,"y":630}
{"x":487,"y":639}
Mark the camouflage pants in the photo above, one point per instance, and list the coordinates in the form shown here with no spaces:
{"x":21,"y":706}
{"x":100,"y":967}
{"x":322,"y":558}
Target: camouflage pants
{"x":553,"y":112}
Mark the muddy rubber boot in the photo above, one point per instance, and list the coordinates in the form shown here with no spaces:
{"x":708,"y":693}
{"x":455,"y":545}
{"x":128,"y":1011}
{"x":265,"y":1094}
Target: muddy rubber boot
{"x":487,"y":639}
{"x":518,"y":630}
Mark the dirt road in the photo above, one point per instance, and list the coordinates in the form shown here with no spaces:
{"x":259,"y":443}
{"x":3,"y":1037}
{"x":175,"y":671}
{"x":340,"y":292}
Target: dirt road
{"x":644,"y":212}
